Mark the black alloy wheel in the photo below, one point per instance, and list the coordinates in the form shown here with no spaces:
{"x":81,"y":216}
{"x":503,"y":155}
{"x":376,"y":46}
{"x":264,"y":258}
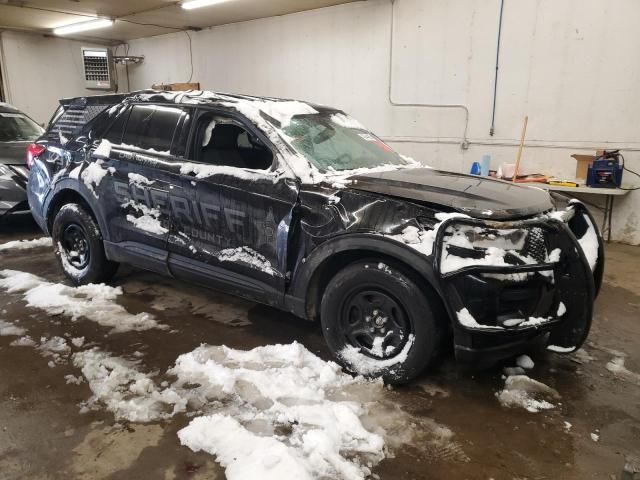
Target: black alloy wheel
{"x":376,"y":323}
{"x":75,"y":246}
{"x":381,"y":320}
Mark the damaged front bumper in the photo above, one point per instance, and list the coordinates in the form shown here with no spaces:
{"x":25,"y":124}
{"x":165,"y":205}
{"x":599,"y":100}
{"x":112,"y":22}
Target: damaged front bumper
{"x":13,"y":184}
{"x":510,"y":285}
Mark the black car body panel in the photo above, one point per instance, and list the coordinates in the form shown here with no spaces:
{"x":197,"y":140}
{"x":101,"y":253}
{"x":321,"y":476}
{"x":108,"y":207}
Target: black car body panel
{"x":479,"y":197}
{"x":276,"y":237}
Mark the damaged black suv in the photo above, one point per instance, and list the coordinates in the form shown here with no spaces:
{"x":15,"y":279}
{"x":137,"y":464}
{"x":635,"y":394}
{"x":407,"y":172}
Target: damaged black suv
{"x":300,"y":207}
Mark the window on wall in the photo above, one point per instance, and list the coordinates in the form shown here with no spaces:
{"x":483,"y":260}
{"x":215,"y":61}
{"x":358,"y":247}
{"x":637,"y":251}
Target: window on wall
{"x":152,"y":127}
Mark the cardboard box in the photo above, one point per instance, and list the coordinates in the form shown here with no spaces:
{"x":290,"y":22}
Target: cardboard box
{"x":176,"y":87}
{"x":582,"y":164}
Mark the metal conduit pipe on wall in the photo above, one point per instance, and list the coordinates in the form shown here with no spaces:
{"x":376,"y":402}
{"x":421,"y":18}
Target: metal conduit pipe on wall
{"x":465,"y":142}
{"x":531,"y":143}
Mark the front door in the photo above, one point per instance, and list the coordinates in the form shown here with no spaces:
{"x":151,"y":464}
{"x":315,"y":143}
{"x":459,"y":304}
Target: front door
{"x":236,"y":233}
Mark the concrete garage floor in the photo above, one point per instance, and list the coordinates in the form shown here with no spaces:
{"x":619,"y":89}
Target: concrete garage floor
{"x":43,"y":435}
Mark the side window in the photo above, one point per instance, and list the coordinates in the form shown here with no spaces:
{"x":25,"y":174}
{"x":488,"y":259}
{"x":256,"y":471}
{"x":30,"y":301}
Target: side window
{"x":222,"y":141}
{"x":114,"y":134}
{"x":181,"y":136}
{"x":152,"y":126}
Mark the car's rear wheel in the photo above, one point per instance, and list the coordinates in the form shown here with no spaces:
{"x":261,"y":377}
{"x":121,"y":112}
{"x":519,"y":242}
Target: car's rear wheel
{"x":379,"y":320}
{"x":78,"y":245}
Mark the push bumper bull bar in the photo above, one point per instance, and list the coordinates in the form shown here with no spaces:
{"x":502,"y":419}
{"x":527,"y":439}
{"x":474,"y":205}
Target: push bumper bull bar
{"x":512,"y":308}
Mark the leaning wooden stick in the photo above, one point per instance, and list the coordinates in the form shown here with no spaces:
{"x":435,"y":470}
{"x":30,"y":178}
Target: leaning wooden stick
{"x":524,"y":132}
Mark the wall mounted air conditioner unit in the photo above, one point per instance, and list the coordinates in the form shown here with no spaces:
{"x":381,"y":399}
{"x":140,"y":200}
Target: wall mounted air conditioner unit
{"x":98,"y":68}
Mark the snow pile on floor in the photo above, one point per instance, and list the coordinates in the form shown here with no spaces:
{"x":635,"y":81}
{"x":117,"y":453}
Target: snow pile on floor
{"x":247,"y":256}
{"x":269,"y":413}
{"x":25,"y":341}
{"x":148,"y":220}
{"x":117,"y":384}
{"x":93,"y":302}
{"x":274,"y":412}
{"x":94,"y":173}
{"x":285,"y":394}
{"x":25,"y":244}
{"x":8,"y":329}
{"x":520,"y":391}
{"x":55,"y":348}
{"x":617,"y":367}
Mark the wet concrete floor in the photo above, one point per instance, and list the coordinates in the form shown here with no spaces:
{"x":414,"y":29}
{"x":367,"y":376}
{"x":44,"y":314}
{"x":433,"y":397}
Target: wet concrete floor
{"x":43,"y":435}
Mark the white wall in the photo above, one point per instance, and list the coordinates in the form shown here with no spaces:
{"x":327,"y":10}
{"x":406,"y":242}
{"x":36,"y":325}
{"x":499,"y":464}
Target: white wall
{"x":38,"y":71}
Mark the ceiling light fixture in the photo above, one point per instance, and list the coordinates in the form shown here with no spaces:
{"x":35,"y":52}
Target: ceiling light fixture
{"x":83,"y":26}
{"x":191,"y":4}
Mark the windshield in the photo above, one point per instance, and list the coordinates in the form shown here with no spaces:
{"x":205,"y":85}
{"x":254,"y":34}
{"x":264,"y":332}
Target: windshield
{"x":334,"y":141}
{"x":15,"y":127}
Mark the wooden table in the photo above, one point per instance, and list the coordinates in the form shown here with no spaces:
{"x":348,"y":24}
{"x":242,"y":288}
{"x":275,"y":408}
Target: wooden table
{"x":609,"y":195}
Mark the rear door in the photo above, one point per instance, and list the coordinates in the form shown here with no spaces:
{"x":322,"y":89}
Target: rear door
{"x":141,"y":156}
{"x":235,"y":233}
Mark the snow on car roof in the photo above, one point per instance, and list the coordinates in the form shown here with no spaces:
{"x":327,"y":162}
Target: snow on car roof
{"x":271,"y":115}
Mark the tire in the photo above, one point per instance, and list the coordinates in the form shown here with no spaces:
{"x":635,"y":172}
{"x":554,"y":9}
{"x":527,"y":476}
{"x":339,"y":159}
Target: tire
{"x":78,"y":245}
{"x":379,"y":321}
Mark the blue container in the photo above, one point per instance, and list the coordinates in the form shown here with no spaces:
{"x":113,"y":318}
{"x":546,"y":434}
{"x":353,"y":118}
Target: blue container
{"x":476,"y":168}
{"x":604,"y":173}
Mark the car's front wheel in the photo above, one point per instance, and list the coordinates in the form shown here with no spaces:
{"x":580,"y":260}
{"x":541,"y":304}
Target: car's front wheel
{"x":379,"y":320}
{"x":78,"y":245}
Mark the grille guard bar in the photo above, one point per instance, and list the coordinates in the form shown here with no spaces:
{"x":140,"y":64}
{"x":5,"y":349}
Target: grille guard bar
{"x":575,"y":284}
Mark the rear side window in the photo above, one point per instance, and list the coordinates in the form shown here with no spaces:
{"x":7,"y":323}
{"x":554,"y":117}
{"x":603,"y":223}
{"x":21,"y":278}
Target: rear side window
{"x":73,"y":118}
{"x":152,"y":127}
{"x":116,"y":130}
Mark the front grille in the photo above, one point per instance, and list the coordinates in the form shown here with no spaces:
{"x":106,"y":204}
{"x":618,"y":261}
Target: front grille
{"x":534,"y":245}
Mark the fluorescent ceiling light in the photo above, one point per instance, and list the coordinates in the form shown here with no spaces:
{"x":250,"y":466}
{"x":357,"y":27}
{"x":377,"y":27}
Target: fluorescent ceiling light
{"x":191,"y":4}
{"x":83,"y":26}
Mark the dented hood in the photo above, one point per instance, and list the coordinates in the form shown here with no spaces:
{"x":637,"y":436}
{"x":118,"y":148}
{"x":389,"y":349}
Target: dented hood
{"x":478,"y":197}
